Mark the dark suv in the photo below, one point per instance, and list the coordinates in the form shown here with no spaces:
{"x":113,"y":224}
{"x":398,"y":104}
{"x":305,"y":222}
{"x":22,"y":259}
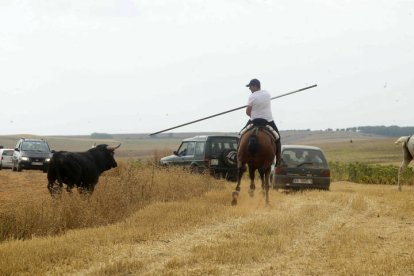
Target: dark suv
{"x":31,"y":154}
{"x":216,"y":154}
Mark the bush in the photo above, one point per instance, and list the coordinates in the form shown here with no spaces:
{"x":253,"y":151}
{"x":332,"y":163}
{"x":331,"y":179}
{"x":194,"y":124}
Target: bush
{"x":120,"y":193}
{"x":369,"y":174}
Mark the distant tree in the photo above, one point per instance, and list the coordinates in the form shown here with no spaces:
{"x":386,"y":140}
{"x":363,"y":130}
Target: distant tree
{"x":97,"y":135}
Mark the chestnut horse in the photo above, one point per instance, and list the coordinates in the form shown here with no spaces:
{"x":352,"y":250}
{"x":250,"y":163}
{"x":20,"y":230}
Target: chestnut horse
{"x":257,"y":149}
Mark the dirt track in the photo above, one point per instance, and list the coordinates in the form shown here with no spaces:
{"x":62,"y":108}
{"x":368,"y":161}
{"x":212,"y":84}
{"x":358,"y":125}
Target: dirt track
{"x":358,"y":233}
{"x":353,"y":229}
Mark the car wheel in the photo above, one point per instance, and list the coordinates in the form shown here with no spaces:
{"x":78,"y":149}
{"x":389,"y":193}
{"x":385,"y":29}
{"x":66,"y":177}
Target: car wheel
{"x":194,"y":169}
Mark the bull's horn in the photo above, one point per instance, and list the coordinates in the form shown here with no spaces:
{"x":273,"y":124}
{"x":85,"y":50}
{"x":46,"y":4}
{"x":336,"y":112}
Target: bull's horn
{"x":113,"y":148}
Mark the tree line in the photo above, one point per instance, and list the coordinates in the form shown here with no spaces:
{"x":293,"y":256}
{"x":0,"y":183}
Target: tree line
{"x":382,"y":130}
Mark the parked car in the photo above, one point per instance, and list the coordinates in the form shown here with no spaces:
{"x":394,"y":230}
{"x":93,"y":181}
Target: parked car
{"x":6,"y":158}
{"x":302,"y":167}
{"x":215,"y":154}
{"x":31,"y":154}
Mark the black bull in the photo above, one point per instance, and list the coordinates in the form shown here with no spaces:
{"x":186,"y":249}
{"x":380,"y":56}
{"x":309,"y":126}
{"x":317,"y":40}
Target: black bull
{"x":80,"y":169}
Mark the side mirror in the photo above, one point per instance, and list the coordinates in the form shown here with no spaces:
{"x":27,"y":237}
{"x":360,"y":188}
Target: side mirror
{"x":175,"y":152}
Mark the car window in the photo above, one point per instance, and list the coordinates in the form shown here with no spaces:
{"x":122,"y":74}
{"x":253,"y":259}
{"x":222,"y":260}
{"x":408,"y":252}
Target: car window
{"x":220,"y":144}
{"x":303,"y":157}
{"x":35,"y":146}
{"x":7,"y":153}
{"x":186,"y":149}
{"x":216,"y":147}
{"x":191,"y":148}
{"x":182,"y":150}
{"x":199,"y":150}
{"x":230,"y":145}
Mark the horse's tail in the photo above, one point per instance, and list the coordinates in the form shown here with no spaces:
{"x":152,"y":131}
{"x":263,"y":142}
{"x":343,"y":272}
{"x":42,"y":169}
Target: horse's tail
{"x":402,"y":140}
{"x":253,"y":144}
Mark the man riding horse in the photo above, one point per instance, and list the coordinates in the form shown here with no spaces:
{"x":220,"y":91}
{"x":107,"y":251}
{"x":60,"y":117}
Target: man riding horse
{"x":259,"y":110}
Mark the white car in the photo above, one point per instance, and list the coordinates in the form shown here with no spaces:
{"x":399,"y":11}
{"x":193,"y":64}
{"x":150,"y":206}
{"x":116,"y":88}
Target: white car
{"x":6,"y":158}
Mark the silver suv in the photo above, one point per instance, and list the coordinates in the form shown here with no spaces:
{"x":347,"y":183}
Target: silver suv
{"x":31,"y":154}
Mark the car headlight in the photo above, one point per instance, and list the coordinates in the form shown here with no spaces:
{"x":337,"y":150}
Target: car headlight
{"x":24,"y":158}
{"x":47,"y":159}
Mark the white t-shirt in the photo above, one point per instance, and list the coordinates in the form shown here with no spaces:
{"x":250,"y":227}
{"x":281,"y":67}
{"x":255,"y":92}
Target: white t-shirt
{"x":260,"y":103}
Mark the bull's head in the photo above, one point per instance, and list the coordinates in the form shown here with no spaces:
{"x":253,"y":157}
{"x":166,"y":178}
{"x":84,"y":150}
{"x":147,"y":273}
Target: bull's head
{"x":111,"y":151}
{"x":113,"y":148}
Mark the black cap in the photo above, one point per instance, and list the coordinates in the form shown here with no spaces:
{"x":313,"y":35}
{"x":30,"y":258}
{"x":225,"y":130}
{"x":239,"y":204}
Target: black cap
{"x":254,"y":82}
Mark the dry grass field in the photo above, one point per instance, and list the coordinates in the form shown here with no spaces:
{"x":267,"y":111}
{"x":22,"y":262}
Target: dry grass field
{"x":143,"y":220}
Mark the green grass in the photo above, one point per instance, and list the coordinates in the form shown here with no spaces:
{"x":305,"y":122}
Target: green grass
{"x":369,"y":174}
{"x":373,"y":151}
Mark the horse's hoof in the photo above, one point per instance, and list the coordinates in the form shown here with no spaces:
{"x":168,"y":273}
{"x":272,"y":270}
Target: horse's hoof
{"x":234,"y":195}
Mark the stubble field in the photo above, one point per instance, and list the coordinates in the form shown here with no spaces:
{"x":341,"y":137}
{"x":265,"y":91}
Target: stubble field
{"x":143,"y":220}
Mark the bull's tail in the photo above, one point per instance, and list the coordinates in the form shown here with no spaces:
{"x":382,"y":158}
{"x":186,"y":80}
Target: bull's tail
{"x":54,"y":171}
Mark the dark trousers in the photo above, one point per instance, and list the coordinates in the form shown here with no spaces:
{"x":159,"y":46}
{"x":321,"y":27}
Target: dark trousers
{"x":278,"y":141}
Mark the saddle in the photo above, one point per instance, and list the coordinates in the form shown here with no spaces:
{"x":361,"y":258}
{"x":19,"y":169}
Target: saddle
{"x":260,"y":123}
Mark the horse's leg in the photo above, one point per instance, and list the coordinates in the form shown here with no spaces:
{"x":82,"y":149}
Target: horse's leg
{"x":262,"y":177}
{"x":406,"y":160}
{"x":403,"y":166}
{"x":235,"y":194}
{"x":252,"y":185}
{"x":267,"y":177}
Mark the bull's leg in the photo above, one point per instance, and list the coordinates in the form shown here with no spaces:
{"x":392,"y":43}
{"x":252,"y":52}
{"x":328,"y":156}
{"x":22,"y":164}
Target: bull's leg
{"x":252,"y":185}
{"x":54,"y":190}
{"x":69,"y":188}
{"x":50,"y":186}
{"x":235,"y":195}
{"x":86,"y":190}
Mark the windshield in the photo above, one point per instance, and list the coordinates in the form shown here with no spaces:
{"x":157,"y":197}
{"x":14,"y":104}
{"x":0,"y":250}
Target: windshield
{"x":7,"y":152}
{"x":186,"y":149}
{"x":39,"y":146}
{"x":303,"y":158}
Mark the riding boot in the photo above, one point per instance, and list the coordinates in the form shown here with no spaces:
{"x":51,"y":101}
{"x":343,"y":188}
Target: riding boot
{"x":278,"y":152}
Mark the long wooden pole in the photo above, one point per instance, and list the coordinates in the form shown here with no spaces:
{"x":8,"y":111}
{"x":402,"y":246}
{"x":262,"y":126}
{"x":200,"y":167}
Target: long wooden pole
{"x":231,"y":110}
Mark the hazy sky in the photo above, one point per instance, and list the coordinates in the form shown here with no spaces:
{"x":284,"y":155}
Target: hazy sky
{"x":125,"y":66}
